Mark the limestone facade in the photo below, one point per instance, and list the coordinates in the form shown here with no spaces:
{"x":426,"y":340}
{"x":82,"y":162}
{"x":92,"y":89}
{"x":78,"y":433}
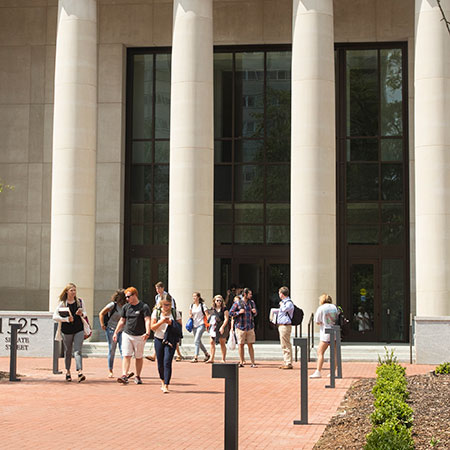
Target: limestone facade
{"x":28,"y":30}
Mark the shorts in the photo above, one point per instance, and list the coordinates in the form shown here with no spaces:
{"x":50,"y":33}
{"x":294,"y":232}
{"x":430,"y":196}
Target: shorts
{"x":245,"y":336}
{"x":132,"y":345}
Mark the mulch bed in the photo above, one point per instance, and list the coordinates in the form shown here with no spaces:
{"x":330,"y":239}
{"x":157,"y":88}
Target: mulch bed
{"x":429,"y":398}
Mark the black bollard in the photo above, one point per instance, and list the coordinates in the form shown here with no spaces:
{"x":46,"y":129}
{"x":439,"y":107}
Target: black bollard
{"x":303,"y":343}
{"x":231,"y":374}
{"x":15,"y":327}
{"x":332,"y":332}
{"x":56,"y":351}
{"x":338,"y":351}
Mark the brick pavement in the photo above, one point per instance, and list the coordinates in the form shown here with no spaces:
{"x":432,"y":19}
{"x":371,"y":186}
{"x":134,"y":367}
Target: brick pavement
{"x":45,"y":412}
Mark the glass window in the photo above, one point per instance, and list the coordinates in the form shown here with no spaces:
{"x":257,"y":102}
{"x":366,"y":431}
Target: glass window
{"x":249,"y":83}
{"x":222,"y":151}
{"x":362,"y":213}
{"x":223,"y":234}
{"x":142,"y":153}
{"x":249,"y":213}
{"x":223,"y":213}
{"x":223,"y":95}
{"x":278,"y":183}
{"x":249,"y":234}
{"x":278,"y":213}
{"x":278,"y":234}
{"x":392,"y":181}
{"x":249,"y":183}
{"x":142,"y":97}
{"x":222,"y":183}
{"x":162,"y":97}
{"x":249,"y":151}
{"x":393,"y":299}
{"x":162,"y":151}
{"x":161,"y":183}
{"x":362,"y":234}
{"x":362,"y":93}
{"x":391,"y":92}
{"x":362,"y":150}
{"x":141,"y":184}
{"x":362,"y":182}
{"x":391,"y":150}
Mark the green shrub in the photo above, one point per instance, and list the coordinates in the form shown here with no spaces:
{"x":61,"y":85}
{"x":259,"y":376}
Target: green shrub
{"x":390,"y":380}
{"x":388,"y":436}
{"x":443,"y":368}
{"x":390,"y":407}
{"x":389,"y":357}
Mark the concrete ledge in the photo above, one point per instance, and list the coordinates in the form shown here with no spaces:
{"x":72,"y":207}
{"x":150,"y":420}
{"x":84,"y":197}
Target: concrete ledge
{"x":432,"y":339}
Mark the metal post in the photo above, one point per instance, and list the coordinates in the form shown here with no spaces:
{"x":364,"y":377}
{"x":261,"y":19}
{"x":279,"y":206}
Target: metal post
{"x":338,"y":351}
{"x":296,"y":335}
{"x":56,"y":351}
{"x":303,"y":343}
{"x":410,"y":338}
{"x":15,"y":327}
{"x":231,"y":374}
{"x":332,"y":332}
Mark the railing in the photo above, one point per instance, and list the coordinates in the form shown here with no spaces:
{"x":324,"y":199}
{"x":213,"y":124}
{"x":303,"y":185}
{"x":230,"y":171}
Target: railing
{"x":411,"y":336}
{"x":310,"y":339}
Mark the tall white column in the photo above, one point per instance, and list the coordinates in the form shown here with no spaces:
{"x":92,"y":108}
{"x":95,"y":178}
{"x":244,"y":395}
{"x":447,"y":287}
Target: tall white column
{"x":313,"y":166}
{"x":191,"y":153}
{"x":74,"y":151}
{"x":432,"y":157}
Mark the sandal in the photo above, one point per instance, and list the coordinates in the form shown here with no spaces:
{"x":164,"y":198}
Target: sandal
{"x":81,"y":377}
{"x":179,"y":358}
{"x":241,"y":365}
{"x":68,"y":377}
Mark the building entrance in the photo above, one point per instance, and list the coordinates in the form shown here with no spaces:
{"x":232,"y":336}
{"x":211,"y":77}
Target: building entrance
{"x":264,"y":276}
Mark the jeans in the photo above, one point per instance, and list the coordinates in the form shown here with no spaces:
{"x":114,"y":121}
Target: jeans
{"x":112,"y":346}
{"x":198,"y":332}
{"x":73,"y":341}
{"x":164,"y":357}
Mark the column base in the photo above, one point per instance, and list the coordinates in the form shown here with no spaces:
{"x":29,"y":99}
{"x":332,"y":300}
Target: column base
{"x":432,"y":339}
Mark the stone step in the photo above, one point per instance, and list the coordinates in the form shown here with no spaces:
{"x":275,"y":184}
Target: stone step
{"x":270,"y":350}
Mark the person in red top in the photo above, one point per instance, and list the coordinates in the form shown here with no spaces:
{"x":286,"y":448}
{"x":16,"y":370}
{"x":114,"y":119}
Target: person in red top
{"x":243,"y":311}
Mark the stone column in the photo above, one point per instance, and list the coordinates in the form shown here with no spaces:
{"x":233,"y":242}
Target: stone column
{"x":191,"y":153}
{"x":313,"y":166}
{"x":432,"y":159}
{"x":74,"y":151}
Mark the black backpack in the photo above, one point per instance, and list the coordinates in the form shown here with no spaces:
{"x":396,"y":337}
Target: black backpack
{"x":109,"y":314}
{"x":297,"y":315}
{"x":341,"y":320}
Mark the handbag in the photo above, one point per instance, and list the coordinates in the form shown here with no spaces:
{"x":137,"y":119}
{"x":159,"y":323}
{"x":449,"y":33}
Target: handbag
{"x":190,"y":325}
{"x":231,"y":344}
{"x":86,"y":327}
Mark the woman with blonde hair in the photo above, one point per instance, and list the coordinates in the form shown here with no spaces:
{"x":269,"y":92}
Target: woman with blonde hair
{"x":325,"y":317}
{"x":197,"y":312}
{"x":69,"y":313}
{"x":109,"y":317}
{"x":219,"y":317}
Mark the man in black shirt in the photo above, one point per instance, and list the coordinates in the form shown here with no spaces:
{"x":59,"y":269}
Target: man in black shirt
{"x":135,"y":322}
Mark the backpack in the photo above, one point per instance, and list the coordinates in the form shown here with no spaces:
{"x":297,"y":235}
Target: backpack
{"x":109,"y":314}
{"x":297,"y":315}
{"x":341,"y":320}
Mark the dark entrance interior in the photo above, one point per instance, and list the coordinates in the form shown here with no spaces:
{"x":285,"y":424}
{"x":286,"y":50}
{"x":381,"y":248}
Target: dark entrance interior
{"x":264,"y":276}
{"x":372,"y":191}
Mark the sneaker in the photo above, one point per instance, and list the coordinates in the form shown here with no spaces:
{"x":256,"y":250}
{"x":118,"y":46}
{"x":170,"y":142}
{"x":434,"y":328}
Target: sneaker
{"x":123,"y":379}
{"x":194,"y":360}
{"x":207,"y":356}
{"x":137,"y":380}
{"x":130,"y":375}
{"x":81,"y":377}
{"x":286,"y":367}
{"x":68,"y":377}
{"x":316,"y":374}
{"x":165,"y":390}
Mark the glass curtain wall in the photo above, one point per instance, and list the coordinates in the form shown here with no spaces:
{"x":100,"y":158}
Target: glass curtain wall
{"x":252,"y":101}
{"x":148,"y":132}
{"x":373,"y":199}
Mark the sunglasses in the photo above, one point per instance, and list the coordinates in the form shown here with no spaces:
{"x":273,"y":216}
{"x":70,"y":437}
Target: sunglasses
{"x":128,"y":296}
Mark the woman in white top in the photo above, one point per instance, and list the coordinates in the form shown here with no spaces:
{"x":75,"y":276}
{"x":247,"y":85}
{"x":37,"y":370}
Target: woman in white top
{"x":161,"y":318}
{"x":197,"y":312}
{"x":325,"y":316}
{"x":219,"y":317}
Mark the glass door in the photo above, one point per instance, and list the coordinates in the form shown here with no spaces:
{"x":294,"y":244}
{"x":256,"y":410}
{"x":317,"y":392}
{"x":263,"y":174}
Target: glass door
{"x":364,"y":309}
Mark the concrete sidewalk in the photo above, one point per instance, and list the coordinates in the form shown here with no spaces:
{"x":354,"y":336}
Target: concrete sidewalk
{"x":43,"y":411}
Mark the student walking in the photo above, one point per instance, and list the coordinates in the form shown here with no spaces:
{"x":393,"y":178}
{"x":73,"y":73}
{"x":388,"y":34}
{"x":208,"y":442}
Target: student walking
{"x":198,"y":314}
{"x":161,"y":321}
{"x":69,"y":313}
{"x":325,"y":316}
{"x":135,"y":323}
{"x":284,"y":322}
{"x":109,"y":317}
{"x":219,"y":318}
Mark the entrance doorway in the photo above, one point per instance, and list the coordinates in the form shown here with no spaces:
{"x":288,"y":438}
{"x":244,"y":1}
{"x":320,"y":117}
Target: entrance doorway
{"x":264,"y":276}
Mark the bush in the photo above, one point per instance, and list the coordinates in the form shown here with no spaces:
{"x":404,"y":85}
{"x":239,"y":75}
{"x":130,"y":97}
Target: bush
{"x":388,"y":436}
{"x":443,"y":368}
{"x":392,"y":407}
{"x":392,"y":417}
